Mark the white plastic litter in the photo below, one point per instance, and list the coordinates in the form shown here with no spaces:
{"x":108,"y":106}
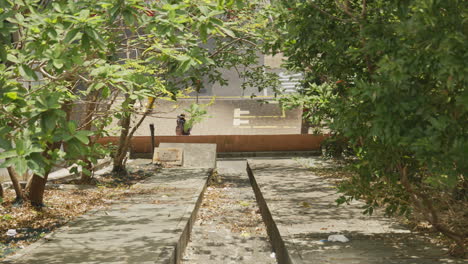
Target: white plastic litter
{"x":338,"y":238}
{"x":273,"y":255}
{"x":11,"y":232}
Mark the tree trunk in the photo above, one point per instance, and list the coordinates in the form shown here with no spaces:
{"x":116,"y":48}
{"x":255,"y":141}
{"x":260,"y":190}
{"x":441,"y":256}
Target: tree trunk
{"x":119,"y":158}
{"x":88,"y":125}
{"x":1,"y":192}
{"x":16,"y":184}
{"x":304,"y":122}
{"x":37,"y":185}
{"x":85,"y":177}
{"x":126,"y":137}
{"x":36,"y":192}
{"x":304,"y":127}
{"x":28,"y":185}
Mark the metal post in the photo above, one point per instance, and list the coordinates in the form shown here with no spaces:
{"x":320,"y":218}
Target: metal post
{"x":152,"y":140}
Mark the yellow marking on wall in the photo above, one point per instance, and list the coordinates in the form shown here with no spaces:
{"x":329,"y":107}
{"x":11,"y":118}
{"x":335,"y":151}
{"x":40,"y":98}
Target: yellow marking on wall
{"x":228,"y":97}
{"x":264,"y":127}
{"x":283,"y":115}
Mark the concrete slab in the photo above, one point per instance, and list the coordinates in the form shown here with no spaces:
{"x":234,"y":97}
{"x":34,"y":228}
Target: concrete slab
{"x":299,"y":210}
{"x":195,"y":155}
{"x":152,"y":227}
{"x":169,"y":156}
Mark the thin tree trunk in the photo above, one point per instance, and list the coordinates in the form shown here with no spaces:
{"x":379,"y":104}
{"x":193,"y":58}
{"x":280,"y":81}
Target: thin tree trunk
{"x":125,"y":139}
{"x":119,"y":158}
{"x":304,"y":127}
{"x":36,"y":192}
{"x":16,"y":184}
{"x":119,"y":164}
{"x":1,"y":191}
{"x":88,"y":125}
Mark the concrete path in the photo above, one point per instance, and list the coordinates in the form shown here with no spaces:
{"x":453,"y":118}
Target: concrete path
{"x":300,"y":211}
{"x":229,"y":227}
{"x":151,"y":227}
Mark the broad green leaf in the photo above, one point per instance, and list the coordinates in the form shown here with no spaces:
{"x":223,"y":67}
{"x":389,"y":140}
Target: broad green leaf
{"x":216,"y":21}
{"x":20,"y":164}
{"x":170,"y":7}
{"x":75,"y":148}
{"x":203,"y":32}
{"x":12,"y":58}
{"x":5,"y":144}
{"x":93,"y":35}
{"x":105,"y":92}
{"x":71,"y":35}
{"x":86,"y":171}
{"x":204,"y":10}
{"x":228,"y":32}
{"x":8,"y":154}
{"x":83,"y":136}
{"x":83,"y":139}
{"x":215,"y":13}
{"x":58,"y":63}
{"x":72,"y":127}
{"x":20,"y":147}
{"x":48,"y":121}
{"x":27,"y":73}
{"x":84,"y":14}
{"x":128,"y":16}
{"x":183,"y":58}
{"x":36,"y":166}
{"x":85,"y":42}
{"x":12,"y":95}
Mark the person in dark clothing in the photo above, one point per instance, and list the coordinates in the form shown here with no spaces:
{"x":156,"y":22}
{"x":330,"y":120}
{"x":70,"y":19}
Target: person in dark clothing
{"x":180,"y":126}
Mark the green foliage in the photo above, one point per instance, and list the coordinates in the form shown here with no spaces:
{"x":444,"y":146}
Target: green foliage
{"x":57,"y":56}
{"x":400,"y":77}
{"x":316,"y":102}
{"x":196,"y":114}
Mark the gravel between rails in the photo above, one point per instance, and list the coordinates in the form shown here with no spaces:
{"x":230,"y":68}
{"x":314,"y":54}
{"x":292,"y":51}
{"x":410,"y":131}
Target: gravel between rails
{"x":229,"y":227}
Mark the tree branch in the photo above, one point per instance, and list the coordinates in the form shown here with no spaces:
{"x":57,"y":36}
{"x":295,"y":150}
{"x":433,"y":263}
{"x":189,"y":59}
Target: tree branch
{"x":41,"y":69}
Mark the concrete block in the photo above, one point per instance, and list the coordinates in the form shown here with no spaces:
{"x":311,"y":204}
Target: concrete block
{"x":195,"y":155}
{"x":169,"y":156}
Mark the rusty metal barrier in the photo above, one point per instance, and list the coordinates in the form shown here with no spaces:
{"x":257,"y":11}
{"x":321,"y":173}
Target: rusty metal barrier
{"x":231,"y":143}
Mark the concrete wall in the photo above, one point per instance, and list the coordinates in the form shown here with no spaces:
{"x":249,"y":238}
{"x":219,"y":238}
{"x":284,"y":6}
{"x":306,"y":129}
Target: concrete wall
{"x":232,"y":143}
{"x":4,"y":177}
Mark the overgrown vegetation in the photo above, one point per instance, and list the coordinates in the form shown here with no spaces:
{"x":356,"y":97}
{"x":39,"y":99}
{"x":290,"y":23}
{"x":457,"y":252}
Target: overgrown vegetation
{"x":388,"y":78}
{"x":69,"y":68}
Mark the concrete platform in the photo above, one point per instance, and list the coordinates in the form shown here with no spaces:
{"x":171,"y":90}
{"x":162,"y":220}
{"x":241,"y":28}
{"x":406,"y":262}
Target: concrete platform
{"x":144,"y":228}
{"x":195,"y":155}
{"x":300,"y":213}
